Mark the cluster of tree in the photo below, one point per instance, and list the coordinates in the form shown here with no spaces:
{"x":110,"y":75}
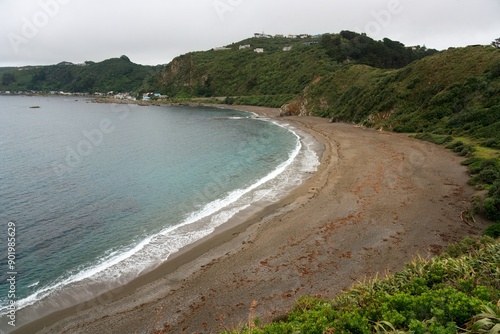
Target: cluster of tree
{"x":8,"y":79}
{"x":496,"y":43}
{"x":351,"y":46}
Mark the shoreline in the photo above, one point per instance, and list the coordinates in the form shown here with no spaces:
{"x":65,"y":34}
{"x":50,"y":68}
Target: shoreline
{"x":274,"y":256}
{"x":235,"y":226}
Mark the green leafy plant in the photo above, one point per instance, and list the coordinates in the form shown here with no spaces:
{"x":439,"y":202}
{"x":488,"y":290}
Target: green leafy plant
{"x":441,"y":295}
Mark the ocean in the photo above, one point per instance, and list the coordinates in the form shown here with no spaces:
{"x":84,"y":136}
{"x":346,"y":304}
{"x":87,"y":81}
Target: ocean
{"x":98,"y":194}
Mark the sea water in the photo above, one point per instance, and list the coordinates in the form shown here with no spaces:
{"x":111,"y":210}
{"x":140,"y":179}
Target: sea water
{"x":101,"y":193}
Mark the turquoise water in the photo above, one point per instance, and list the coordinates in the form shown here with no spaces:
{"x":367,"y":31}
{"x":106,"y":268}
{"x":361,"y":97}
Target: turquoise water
{"x":102,"y":193}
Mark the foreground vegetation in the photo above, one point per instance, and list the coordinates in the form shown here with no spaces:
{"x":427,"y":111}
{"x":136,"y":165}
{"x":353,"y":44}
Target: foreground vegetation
{"x":456,"y":292}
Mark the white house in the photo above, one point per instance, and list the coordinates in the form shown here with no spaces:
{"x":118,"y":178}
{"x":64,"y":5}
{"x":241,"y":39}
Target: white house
{"x":244,"y":46}
{"x":259,"y":50}
{"x":259,"y":35}
{"x":287,"y":48}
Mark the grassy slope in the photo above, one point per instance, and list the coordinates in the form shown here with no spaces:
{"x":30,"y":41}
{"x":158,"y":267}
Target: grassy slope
{"x":454,"y":92}
{"x":237,"y":72}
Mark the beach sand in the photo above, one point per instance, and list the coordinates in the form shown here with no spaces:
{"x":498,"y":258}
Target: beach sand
{"x":377,"y":200}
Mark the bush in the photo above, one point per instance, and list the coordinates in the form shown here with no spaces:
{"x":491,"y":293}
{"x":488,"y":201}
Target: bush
{"x":489,"y":174}
{"x":456,"y":146}
{"x":434,"y":138}
{"x":492,"y":208}
{"x":493,"y":231}
{"x":429,"y":296}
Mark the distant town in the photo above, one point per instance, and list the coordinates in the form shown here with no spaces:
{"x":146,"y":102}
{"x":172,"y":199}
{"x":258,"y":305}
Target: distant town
{"x":266,"y":36}
{"x":117,"y":96}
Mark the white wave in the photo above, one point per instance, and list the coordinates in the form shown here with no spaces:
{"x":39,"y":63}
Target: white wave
{"x":34,"y":284}
{"x":237,"y":117}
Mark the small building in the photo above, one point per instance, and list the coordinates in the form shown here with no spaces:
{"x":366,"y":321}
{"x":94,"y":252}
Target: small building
{"x":287,"y":48}
{"x":261,"y":35}
{"x":221,"y":48}
{"x":259,"y":50}
{"x":121,"y":96}
{"x":242,"y":47}
{"x":292,"y":36}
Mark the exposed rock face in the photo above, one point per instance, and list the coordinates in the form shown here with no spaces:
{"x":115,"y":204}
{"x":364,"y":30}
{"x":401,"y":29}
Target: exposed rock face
{"x":181,"y":72}
{"x":295,"y":108}
{"x":300,"y":106}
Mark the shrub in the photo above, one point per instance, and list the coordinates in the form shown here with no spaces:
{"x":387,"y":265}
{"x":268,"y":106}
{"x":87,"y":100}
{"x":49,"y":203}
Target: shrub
{"x":493,"y":231}
{"x":434,"y":138}
{"x":429,"y":296}
{"x":492,"y":208}
{"x":489,"y":174}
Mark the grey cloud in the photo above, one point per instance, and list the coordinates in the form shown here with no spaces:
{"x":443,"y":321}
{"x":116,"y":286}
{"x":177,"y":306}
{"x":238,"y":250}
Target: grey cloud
{"x":155,"y":31}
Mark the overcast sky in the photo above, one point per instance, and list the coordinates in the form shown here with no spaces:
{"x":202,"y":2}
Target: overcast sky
{"x":37,"y":32}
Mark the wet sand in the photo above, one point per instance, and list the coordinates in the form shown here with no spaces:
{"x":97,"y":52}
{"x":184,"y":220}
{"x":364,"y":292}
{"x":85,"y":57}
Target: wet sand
{"x":377,"y":200}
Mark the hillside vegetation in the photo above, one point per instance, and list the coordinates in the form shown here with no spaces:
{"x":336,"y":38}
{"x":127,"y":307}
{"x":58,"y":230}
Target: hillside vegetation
{"x":116,"y":74}
{"x":450,"y":98}
{"x":454,"y":92}
{"x":253,"y":78}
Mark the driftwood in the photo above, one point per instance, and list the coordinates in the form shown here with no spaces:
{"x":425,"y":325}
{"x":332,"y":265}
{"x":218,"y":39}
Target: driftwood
{"x":465,"y":220}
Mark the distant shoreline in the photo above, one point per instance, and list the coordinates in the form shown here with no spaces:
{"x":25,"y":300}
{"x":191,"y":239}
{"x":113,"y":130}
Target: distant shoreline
{"x":376,"y":201}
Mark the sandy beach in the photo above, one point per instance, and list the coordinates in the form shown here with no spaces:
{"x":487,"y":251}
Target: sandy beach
{"x":377,"y":200}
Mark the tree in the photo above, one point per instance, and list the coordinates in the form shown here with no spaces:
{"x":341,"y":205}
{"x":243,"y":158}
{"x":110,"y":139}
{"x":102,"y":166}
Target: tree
{"x":8,"y":78}
{"x":496,"y":43}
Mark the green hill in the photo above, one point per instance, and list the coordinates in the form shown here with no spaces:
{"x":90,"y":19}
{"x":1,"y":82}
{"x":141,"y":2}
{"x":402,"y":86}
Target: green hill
{"x":284,"y":68}
{"x":116,"y":74}
{"x":454,"y":92}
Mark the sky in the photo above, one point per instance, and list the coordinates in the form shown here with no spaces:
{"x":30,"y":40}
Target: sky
{"x":152,"y":32}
